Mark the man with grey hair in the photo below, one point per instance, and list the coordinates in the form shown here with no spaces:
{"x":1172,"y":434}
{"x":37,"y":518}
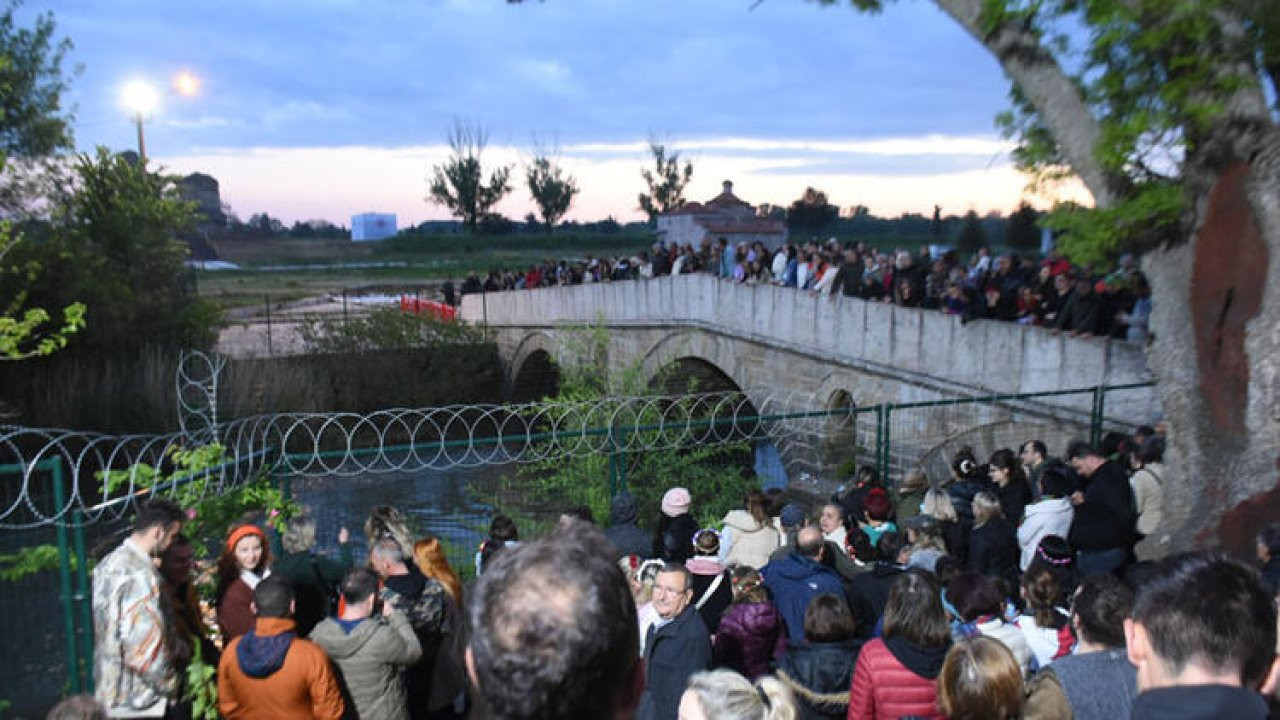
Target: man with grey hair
{"x":554,"y":631}
{"x":421,"y":599}
{"x":678,"y":644}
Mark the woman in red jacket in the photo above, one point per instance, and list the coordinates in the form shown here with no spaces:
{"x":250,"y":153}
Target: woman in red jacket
{"x":897,"y":673}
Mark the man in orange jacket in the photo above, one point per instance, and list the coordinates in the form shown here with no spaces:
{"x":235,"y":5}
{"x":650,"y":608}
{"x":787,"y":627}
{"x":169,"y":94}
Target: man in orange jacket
{"x":271,"y":674}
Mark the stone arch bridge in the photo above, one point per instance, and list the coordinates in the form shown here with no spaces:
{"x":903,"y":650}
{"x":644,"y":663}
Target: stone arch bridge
{"x":817,"y":352}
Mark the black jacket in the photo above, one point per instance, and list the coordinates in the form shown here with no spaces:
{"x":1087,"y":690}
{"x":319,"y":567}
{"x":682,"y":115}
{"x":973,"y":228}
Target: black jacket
{"x":627,"y":538}
{"x":1199,"y":702}
{"x":674,"y":541}
{"x":1014,"y":498}
{"x":675,"y":651}
{"x":994,"y":550}
{"x":1108,"y":516}
{"x":961,"y":494}
{"x":820,"y":674}
{"x":869,"y":593}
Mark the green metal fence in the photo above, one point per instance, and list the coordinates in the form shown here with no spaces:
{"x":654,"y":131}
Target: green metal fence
{"x":57,"y":648}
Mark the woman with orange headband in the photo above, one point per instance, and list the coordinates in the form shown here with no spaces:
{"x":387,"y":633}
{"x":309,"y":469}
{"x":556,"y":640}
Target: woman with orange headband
{"x":245,"y":561}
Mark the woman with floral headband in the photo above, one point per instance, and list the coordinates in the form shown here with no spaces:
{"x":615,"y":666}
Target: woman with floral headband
{"x":750,"y":633}
{"x":711,"y":586}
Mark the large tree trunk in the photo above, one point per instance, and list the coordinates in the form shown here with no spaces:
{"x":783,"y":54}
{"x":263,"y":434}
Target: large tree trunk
{"x":1216,"y":314}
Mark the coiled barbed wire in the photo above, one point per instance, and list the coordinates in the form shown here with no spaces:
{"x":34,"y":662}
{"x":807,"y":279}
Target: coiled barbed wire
{"x":394,"y":440}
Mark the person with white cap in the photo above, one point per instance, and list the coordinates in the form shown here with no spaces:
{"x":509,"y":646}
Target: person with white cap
{"x":673,"y":542}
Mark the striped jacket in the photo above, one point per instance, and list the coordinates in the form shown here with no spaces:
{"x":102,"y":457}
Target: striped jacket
{"x":133,"y":665}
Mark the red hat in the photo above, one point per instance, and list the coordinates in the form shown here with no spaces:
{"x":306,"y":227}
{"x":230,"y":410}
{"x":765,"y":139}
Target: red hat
{"x":241,"y":533}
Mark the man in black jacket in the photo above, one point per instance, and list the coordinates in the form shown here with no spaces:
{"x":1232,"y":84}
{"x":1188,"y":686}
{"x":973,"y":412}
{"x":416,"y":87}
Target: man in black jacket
{"x":678,"y":644}
{"x":1102,"y":531}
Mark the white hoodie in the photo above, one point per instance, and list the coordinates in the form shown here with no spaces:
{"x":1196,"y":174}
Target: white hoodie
{"x":1050,"y":516}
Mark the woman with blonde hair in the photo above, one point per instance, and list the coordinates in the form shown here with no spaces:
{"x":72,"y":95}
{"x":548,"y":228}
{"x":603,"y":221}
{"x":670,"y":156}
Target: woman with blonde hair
{"x":641,"y":576}
{"x":726,"y":695}
{"x":993,"y":543}
{"x":937,"y":505}
{"x":980,"y":680}
{"x":314,"y":577}
{"x":909,"y":495}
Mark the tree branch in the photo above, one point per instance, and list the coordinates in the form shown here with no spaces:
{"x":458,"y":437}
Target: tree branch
{"x":1049,"y":89}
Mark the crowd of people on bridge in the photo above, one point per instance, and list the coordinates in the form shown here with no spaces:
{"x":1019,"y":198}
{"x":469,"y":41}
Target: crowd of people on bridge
{"x":1011,"y":590}
{"x":1051,"y":292}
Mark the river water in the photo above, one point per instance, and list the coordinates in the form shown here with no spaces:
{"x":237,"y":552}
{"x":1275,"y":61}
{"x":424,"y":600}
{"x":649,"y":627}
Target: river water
{"x":445,"y":503}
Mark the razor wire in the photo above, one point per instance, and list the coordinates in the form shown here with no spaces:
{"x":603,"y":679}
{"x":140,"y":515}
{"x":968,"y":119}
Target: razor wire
{"x":394,"y":440}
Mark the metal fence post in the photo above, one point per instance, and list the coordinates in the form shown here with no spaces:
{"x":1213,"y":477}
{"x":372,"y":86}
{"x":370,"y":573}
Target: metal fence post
{"x":1095,"y":416}
{"x":64,"y":576}
{"x":85,"y":598}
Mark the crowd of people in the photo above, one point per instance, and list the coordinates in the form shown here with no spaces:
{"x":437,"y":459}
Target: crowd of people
{"x":1013,"y":590}
{"x":1015,"y":288}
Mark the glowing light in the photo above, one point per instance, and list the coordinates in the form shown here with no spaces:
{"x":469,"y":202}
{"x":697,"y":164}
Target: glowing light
{"x":186,"y":84}
{"x":140,"y":97}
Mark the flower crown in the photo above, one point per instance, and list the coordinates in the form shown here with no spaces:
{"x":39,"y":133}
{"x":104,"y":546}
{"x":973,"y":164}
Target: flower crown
{"x":1052,"y":561}
{"x":701,"y":532}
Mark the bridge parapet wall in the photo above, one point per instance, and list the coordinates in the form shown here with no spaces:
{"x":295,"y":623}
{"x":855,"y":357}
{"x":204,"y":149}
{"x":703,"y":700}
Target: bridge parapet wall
{"x":905,"y":344}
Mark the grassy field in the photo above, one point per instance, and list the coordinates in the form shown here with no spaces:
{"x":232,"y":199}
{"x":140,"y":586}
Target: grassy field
{"x":288,"y":269}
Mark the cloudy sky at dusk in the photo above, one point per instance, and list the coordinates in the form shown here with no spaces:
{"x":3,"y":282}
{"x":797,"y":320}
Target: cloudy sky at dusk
{"x":326,"y":108}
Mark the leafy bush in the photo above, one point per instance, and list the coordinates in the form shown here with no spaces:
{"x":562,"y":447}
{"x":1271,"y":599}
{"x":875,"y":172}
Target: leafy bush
{"x":383,"y":329}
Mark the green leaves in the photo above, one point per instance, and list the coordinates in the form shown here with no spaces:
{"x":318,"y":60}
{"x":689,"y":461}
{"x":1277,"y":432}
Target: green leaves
{"x":459,"y":184}
{"x":29,"y":561}
{"x":666,"y":182}
{"x":384,"y":329}
{"x":551,"y":189}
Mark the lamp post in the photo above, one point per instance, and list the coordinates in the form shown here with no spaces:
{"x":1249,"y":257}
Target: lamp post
{"x":141,"y":99}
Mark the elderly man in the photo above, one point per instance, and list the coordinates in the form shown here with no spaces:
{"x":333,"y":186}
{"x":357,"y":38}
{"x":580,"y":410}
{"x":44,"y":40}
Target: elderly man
{"x":136,"y":651}
{"x":678,"y":644}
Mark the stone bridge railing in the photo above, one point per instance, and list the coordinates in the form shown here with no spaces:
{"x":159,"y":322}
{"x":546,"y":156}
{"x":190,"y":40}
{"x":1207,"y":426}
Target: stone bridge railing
{"x":997,"y":357}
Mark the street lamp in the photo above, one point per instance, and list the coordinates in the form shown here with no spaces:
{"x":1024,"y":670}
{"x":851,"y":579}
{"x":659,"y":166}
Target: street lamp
{"x":141,"y":99}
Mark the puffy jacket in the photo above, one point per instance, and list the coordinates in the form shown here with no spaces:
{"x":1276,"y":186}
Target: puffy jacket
{"x":885,"y":687}
{"x":370,"y":657}
{"x":794,"y":581}
{"x":1050,"y":516}
{"x":752,"y":543}
{"x":819,"y":674}
{"x":269,"y":674}
{"x":750,"y":635}
{"x":626,"y":536}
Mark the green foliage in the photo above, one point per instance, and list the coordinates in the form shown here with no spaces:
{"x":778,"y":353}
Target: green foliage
{"x":459,"y":184}
{"x":201,"y":686}
{"x":22,"y":329}
{"x":383,"y":329}
{"x":1095,"y":236}
{"x":666,"y":182}
{"x":972,"y":236}
{"x":1023,"y":231}
{"x":716,"y":475}
{"x":32,"y":85}
{"x":29,"y":561}
{"x":812,"y":211}
{"x":551,"y":189}
{"x":114,"y":247}
{"x":191,"y":478}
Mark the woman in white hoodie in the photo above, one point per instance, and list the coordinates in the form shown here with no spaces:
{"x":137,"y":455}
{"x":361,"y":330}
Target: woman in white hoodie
{"x":749,"y":534}
{"x":1051,"y":515}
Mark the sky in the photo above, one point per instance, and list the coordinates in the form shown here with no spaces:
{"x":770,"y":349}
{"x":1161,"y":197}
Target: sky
{"x":327,"y":108}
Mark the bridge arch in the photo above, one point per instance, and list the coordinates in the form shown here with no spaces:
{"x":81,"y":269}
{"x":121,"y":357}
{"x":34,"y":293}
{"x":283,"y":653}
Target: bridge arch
{"x":697,"y":352}
{"x":532,"y":373}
